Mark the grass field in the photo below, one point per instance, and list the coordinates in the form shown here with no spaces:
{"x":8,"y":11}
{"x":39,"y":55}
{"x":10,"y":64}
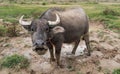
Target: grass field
{"x":106,"y":13}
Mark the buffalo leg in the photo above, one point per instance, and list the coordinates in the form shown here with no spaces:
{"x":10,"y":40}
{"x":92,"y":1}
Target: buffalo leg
{"x":86,"y":38}
{"x":51,"y":52}
{"x":57,"y":41}
{"x":58,"y":52}
{"x":75,"y":47}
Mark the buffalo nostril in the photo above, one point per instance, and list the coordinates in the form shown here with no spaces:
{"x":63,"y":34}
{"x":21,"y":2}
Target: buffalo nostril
{"x":36,"y":44}
{"x":43,"y":43}
{"x":39,"y":43}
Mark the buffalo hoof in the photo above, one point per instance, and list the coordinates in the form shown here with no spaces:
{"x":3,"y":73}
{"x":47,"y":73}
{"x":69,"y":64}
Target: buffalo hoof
{"x":73,"y":53}
{"x":60,"y":66}
{"x":68,"y":53}
{"x":52,"y":59}
{"x":88,"y":54}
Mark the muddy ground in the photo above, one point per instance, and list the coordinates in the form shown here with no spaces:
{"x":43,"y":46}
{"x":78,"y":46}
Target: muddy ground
{"x":105,"y":45}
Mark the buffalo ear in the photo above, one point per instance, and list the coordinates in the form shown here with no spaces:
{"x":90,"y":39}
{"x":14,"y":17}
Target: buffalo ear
{"x":58,"y":29}
{"x":27,"y":27}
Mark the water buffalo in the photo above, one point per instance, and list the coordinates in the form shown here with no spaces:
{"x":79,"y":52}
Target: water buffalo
{"x":55,"y":27}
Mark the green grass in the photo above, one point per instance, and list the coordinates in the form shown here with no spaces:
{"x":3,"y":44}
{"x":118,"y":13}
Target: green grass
{"x":13,"y":12}
{"x":2,"y":30}
{"x":116,"y":71}
{"x":107,"y":13}
{"x":15,"y":61}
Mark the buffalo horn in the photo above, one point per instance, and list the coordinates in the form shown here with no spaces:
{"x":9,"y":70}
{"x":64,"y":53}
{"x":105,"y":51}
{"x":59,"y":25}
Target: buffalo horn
{"x":24,"y":22}
{"x":55,"y":22}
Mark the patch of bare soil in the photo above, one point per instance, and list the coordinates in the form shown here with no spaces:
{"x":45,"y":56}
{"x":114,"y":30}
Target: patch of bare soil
{"x":105,"y":55}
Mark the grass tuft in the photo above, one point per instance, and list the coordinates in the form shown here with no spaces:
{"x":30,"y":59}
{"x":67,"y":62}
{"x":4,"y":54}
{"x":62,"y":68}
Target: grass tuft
{"x":116,"y":71}
{"x":14,"y":61}
{"x":2,"y":30}
{"x":108,"y":11}
{"x":44,"y":3}
{"x":9,"y":30}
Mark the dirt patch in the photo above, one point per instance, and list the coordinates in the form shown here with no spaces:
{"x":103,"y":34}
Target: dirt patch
{"x":105,"y":46}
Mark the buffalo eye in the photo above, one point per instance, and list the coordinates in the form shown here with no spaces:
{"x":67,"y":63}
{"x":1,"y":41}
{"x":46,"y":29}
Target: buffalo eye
{"x":32,"y":29}
{"x":47,"y":29}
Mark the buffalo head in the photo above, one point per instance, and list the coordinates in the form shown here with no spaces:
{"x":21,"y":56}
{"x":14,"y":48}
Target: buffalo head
{"x":41,"y":32}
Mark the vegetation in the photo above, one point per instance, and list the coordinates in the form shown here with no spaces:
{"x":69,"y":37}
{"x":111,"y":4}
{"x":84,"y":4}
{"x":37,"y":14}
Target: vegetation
{"x":106,"y":13}
{"x":9,"y":30}
{"x":44,"y":3}
{"x":15,"y":61}
{"x":12,"y":30}
{"x":13,"y":12}
{"x":117,"y":71}
{"x":2,"y":30}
